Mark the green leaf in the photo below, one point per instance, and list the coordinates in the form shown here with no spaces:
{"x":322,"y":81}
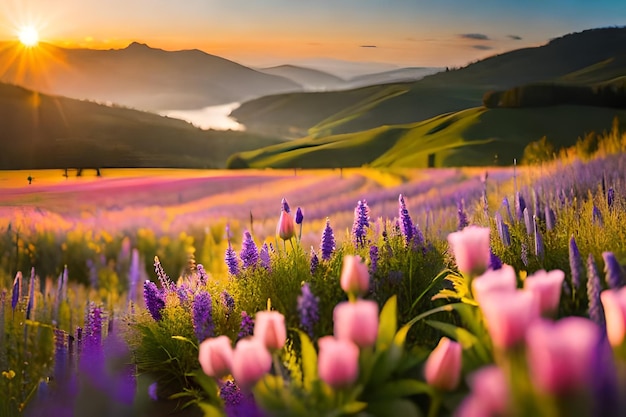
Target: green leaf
{"x":309,"y":361}
{"x":396,"y":407}
{"x":185,"y":339}
{"x":388,"y":323}
{"x":461,"y":335}
{"x":207,"y":383}
{"x":210,"y":410}
{"x":436,"y":280}
{"x":353,"y":407}
{"x":400,"y":388}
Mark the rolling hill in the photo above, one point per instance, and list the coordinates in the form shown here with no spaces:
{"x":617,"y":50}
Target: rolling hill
{"x":41,"y":131}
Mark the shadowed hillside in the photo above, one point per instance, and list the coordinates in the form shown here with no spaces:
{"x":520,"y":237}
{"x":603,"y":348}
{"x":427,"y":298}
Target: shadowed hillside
{"x":41,"y":131}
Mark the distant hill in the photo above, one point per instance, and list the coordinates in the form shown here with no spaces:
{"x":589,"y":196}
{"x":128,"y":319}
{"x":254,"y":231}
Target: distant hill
{"x":42,"y":131}
{"x":140,"y":76}
{"x":309,"y":79}
{"x":475,"y":136}
{"x":591,"y":56}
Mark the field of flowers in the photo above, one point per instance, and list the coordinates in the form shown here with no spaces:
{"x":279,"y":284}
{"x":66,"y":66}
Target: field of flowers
{"x":456,"y":292}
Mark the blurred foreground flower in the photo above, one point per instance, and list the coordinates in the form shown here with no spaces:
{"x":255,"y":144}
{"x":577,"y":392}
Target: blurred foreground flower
{"x":443,"y":367}
{"x":471,"y":249}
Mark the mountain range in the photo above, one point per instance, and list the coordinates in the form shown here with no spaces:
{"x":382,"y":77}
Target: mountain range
{"x":405,"y":117}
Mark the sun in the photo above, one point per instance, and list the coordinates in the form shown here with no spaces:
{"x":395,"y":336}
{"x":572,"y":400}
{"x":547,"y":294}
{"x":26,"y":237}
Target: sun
{"x":28,"y":36}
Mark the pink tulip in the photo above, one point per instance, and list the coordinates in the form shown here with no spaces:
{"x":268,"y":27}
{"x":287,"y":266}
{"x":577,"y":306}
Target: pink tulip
{"x":286,"y":228}
{"x":357,"y":322}
{"x":216,"y":356}
{"x":355,"y":277}
{"x":443,"y":366}
{"x":269,"y":328}
{"x":503,"y":279}
{"x":547,"y":288}
{"x":560,"y":354}
{"x":614,"y":303}
{"x":338,"y":361}
{"x":471,"y":249}
{"x":251,"y":361}
{"x":490,"y":394}
{"x":508,"y":315}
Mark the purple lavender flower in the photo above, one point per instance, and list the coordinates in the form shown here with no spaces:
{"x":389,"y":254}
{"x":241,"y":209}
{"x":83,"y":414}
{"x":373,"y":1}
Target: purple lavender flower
{"x":60,"y":355}
{"x":524,"y":254}
{"x":308,"y":309}
{"x":539,"y":248}
{"x":613,"y":270}
{"x":406,"y":224}
{"x":461,"y":215}
{"x":231,"y":395}
{"x":152,"y":391}
{"x":165,"y":281}
{"x":418,"y":237}
{"x":507,"y":207}
{"x":594,"y":287}
{"x":249,"y":252}
{"x":520,"y":206}
{"x":328,"y":242}
{"x":228,"y":302}
{"x":299,"y":216}
{"x":597,"y":216}
{"x":17,"y":290}
{"x":31,"y":294}
{"x":153,"y":297}
{"x":528,"y":222}
{"x":315,"y":262}
{"x":483,"y":180}
{"x":184,"y":292}
{"x":610,"y":197}
{"x":203,"y":316}
{"x":246,"y":328}
{"x":264,"y":257}
{"x":503,"y":230}
{"x":361,"y":223}
{"x":93,"y":326}
{"x":232,"y":261}
{"x":202,"y":275}
{"x":285,"y":206}
{"x":237,"y":403}
{"x":495,"y":262}
{"x":575,"y":263}
{"x":550,"y":218}
{"x":373,"y":259}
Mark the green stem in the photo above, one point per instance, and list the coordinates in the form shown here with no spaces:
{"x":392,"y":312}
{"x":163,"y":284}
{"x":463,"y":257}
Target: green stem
{"x":435,"y":404}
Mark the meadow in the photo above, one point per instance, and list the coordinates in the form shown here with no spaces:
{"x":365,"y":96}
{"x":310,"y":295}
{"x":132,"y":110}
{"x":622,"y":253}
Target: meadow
{"x":364,"y":291}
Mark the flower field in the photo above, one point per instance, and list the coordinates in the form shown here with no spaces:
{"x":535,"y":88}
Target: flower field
{"x":454,"y":292}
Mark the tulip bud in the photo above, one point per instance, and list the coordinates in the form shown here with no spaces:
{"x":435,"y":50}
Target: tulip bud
{"x":443,"y":366}
{"x":471,"y":249}
{"x":216,"y":356}
{"x":614,"y":303}
{"x":547,"y":288}
{"x":338,"y":361}
{"x":355,"y":277}
{"x":286,"y":228}
{"x":357,"y":322}
{"x":503,"y":279}
{"x":508,"y":315}
{"x":251,"y":361}
{"x":269,"y":328}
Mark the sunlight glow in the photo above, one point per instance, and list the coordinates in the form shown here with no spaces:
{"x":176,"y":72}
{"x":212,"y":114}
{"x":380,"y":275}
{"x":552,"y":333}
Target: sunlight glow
{"x":29,"y":36}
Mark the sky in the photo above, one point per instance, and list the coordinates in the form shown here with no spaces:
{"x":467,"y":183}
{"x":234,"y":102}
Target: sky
{"x":261,"y":33}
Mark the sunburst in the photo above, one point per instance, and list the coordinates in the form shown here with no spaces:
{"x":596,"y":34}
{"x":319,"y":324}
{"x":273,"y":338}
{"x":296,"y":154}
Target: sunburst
{"x":28,"y":36}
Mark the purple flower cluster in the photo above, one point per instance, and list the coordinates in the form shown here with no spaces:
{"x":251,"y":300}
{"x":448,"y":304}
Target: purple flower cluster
{"x":202,"y":275}
{"x":203,"y":316}
{"x":93,"y":326}
{"x":495,"y":262}
{"x":308,"y":309}
{"x":539,"y":248}
{"x":461,"y":215}
{"x":246,"y":328}
{"x":503,"y":230}
{"x":16,"y":293}
{"x":550,"y":218}
{"x":228,"y":302}
{"x":373,"y":259}
{"x":232,"y":262}
{"x":166,"y":283}
{"x":520,"y":206}
{"x":237,"y":403}
{"x":327,"y":245}
{"x":264,"y":257}
{"x":315,"y":262}
{"x":597,"y":216}
{"x":406,"y":224}
{"x":249,"y":252}
{"x":299,"y":216}
{"x":575,"y":263}
{"x":154,"y":299}
{"x":361,"y":223}
{"x":612,"y":270}
{"x":594,"y":287}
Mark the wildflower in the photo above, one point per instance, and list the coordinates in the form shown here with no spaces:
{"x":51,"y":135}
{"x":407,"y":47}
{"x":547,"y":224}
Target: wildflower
{"x":246,"y":328}
{"x":203,"y":315}
{"x":575,"y":263}
{"x":610,"y":197}
{"x":285,"y":228}
{"x":202,"y":275}
{"x":503,"y":279}
{"x":361,"y":223}
{"x":299,"y":216}
{"x":153,"y":391}
{"x":503,"y":230}
{"x":355,"y":278}
{"x":154,"y":300}
{"x":228,"y":302}
{"x":508,"y":315}
{"x":269,"y":328}
{"x":251,"y":361}
{"x":373,"y":259}
{"x":550,"y":218}
{"x":284,"y":206}
{"x":613,"y":270}
{"x":31,"y":294}
{"x":597,"y":216}
{"x":520,"y":206}
{"x":547,"y":288}
{"x":528,"y":222}
{"x":264,"y":256}
{"x":594,"y":287}
{"x":614,"y":303}
{"x":315,"y":262}
{"x":216,"y":356}
{"x":461,"y":215}
{"x":338,"y":362}
{"x":406,"y":224}
{"x":165,"y":281}
{"x":232,"y":262}
{"x":443,"y":367}
{"x":17,"y":290}
{"x":249,"y":253}
{"x":507,"y":207}
{"x":308,"y":309}
{"x":539,"y":248}
{"x":93,"y":327}
{"x":560,"y":354}
{"x":60,"y":355}
{"x":495,"y":262}
{"x":524,"y":253}
{"x":327,"y":245}
{"x":356,"y":321}
{"x":471,"y":249}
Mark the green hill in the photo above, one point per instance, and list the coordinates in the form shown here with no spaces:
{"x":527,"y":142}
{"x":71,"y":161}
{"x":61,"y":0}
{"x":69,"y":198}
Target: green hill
{"x":41,"y":131}
{"x":476,"y":136}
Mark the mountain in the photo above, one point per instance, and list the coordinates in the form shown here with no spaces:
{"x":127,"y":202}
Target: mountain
{"x":138,"y":76}
{"x":42,"y":131}
{"x":310,"y":79}
{"x":591,"y":56}
{"x":393,"y":76}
